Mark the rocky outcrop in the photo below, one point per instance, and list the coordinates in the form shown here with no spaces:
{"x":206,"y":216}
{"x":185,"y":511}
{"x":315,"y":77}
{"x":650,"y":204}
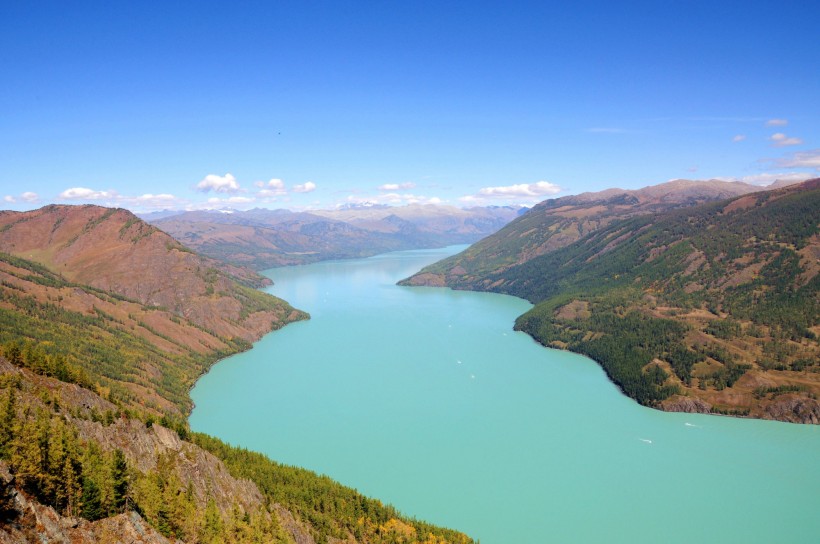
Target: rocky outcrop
{"x":794,"y":409}
{"x":206,"y":474}
{"x":298,"y":531}
{"x":26,"y":520}
{"x":688,"y":405}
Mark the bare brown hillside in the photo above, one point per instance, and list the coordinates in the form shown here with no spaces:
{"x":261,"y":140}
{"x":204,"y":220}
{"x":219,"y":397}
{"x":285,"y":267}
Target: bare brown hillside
{"x":113,"y":250}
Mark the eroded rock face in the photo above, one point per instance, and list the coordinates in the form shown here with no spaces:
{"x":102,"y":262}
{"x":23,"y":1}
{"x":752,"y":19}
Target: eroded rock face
{"x":794,"y":409}
{"x":688,"y":405}
{"x":297,"y":530}
{"x":205,"y":473}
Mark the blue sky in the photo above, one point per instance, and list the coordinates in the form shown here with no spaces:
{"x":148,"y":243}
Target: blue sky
{"x":315,"y":104}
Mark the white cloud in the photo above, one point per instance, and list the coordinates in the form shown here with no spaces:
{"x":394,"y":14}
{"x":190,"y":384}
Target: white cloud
{"x":781,"y":140}
{"x":218,"y":184}
{"x":777,"y":122}
{"x":27,"y":196}
{"x":397,"y":186}
{"x":152,"y":201}
{"x":306,"y":187}
{"x":112,"y":198}
{"x":84,"y":193}
{"x":162,"y":197}
{"x":149,"y":201}
{"x":540,"y":188}
{"x":739,"y":138}
{"x":271,"y":189}
{"x":802,"y":159}
{"x":521,"y":190}
{"x":275,"y":187}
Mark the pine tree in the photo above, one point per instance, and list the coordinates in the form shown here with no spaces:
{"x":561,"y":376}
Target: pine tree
{"x":91,"y":503}
{"x":212,"y":530}
{"x":29,"y":454}
{"x":8,"y":414}
{"x":69,"y":487}
{"x":119,"y":477}
{"x":7,"y":509}
{"x":12,"y":352}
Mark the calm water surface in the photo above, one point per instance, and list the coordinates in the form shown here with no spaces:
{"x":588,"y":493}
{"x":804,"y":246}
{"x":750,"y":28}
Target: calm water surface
{"x":426,"y":399}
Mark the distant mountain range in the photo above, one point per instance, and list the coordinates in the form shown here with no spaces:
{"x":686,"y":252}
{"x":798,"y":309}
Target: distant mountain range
{"x":262,"y":238}
{"x":689,"y":301}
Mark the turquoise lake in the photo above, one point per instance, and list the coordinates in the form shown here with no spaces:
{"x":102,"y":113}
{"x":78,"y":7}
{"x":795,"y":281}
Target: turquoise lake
{"x":428,"y":400}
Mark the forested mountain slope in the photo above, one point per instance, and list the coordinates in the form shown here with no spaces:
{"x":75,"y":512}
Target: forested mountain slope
{"x":707,"y":308}
{"x":558,"y":222}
